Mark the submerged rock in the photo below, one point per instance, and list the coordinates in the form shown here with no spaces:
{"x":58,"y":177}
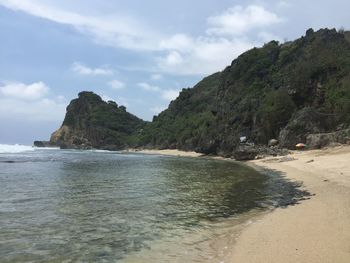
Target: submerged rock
{"x":42,"y":144}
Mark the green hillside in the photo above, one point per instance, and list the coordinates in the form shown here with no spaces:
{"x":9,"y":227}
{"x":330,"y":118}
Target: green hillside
{"x":283,"y":91}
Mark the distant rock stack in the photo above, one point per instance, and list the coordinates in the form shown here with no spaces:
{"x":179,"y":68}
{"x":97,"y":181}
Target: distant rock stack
{"x":91,"y":122}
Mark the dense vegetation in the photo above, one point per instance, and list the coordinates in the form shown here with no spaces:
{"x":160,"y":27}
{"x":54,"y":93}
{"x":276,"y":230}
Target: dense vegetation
{"x":187,"y":120}
{"x":283,"y":91}
{"x":259,"y":94}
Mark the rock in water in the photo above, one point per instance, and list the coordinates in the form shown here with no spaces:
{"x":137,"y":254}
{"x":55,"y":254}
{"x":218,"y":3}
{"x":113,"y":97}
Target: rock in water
{"x":42,"y":144}
{"x":91,"y":122}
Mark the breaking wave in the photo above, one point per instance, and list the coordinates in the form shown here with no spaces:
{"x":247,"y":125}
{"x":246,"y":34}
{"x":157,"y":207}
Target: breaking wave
{"x":15,"y":148}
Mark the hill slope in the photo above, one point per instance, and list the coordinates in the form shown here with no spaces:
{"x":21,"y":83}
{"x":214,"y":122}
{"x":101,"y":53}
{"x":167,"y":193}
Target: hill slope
{"x":283,"y":91}
{"x":280,"y":90}
{"x":188,"y":121}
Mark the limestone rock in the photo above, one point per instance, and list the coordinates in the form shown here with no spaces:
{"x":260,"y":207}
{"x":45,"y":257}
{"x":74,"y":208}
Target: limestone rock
{"x":273,"y":142}
{"x":305,"y":121}
{"x":319,"y":140}
{"x":245,"y":152}
{"x":91,"y":122}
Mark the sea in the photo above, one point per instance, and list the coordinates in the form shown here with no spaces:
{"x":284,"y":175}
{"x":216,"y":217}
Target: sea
{"x":101,"y":206}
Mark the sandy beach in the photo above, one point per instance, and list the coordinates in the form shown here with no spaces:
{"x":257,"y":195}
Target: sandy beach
{"x":170,"y":152}
{"x":315,"y":230}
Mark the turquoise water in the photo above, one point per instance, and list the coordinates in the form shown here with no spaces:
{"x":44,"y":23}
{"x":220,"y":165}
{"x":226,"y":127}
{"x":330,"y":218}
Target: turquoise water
{"x":91,"y":206}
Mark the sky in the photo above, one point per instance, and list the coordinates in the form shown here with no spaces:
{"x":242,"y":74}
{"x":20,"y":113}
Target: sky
{"x":137,"y":53}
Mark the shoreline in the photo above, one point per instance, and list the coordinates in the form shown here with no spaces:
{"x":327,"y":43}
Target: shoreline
{"x":169,"y":152}
{"x":313,"y":231}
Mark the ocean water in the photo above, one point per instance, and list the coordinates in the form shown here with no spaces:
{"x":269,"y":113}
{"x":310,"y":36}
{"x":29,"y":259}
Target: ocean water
{"x":99,"y":206}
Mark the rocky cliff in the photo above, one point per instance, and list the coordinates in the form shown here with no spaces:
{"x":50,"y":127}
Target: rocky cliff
{"x":285,"y":91}
{"x":91,"y":122}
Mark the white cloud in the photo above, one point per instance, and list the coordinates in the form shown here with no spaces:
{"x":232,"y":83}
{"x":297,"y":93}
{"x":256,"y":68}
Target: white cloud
{"x":177,"y":42}
{"x":170,"y":94}
{"x":116,"y":84}
{"x":188,"y":55}
{"x":173,"y":58}
{"x":177,"y":53}
{"x":84,"y":70}
{"x":148,"y":87}
{"x":41,"y":110}
{"x":207,"y":55}
{"x":167,"y":94}
{"x":29,"y":101}
{"x":23,"y":91}
{"x":116,"y":30}
{"x":238,"y":20}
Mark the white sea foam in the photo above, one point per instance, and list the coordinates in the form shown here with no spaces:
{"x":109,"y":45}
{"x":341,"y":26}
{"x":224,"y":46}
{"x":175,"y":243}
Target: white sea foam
{"x":15,"y":148}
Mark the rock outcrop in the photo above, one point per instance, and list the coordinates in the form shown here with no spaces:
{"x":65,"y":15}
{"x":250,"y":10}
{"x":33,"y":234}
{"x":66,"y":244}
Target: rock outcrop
{"x":304,"y":122}
{"x":44,"y":144}
{"x":245,"y":152}
{"x":319,"y":140}
{"x":91,"y":122}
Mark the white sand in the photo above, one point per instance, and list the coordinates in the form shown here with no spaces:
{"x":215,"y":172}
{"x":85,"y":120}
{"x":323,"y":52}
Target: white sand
{"x":316,"y":230}
{"x":172,"y":152}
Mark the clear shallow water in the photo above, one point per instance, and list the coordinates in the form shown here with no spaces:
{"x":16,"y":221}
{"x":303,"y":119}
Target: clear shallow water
{"x":95,"y":206}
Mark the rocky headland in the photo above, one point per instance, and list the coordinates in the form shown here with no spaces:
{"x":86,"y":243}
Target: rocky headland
{"x":268,"y":100}
{"x":91,"y":122}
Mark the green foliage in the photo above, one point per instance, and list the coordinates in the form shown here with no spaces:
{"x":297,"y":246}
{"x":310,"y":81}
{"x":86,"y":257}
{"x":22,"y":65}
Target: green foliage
{"x":255,"y":97}
{"x":337,"y":99}
{"x":101,"y":123}
{"x":188,"y":119}
{"x":275,"y":112}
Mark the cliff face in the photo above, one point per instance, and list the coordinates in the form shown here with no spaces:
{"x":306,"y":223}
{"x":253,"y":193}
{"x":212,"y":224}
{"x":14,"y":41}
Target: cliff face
{"x":286,"y":91}
{"x":283,"y":91}
{"x":279,"y":91}
{"x":91,"y":122}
